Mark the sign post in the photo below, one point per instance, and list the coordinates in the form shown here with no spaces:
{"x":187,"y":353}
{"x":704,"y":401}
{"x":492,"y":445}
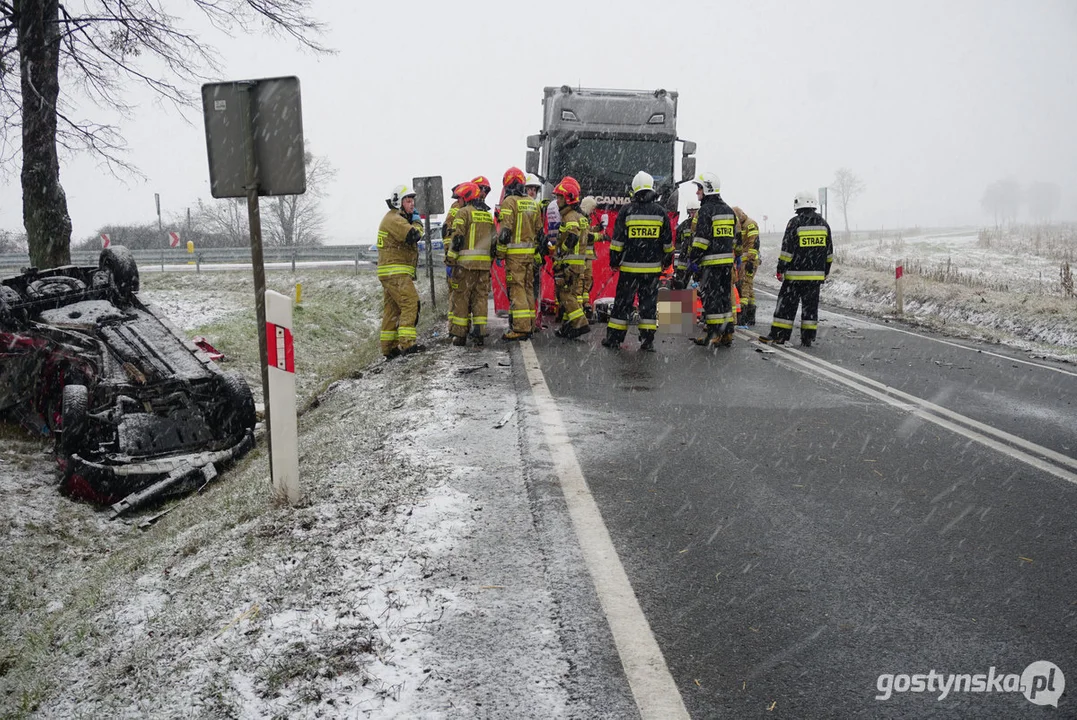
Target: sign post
{"x":254,"y":140}
{"x":429,"y":200}
{"x":899,"y":273}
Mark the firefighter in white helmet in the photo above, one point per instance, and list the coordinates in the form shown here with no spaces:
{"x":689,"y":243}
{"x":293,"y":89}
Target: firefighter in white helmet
{"x":398,"y":254}
{"x":803,"y":265}
{"x":713,"y":249}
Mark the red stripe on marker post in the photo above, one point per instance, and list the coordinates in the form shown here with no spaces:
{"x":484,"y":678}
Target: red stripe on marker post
{"x":899,"y":271}
{"x":279,"y":348}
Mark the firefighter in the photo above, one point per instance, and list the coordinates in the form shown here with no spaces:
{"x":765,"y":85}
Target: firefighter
{"x":533,"y":186}
{"x":521,"y":230}
{"x":641,"y":248}
{"x":803,"y":265}
{"x":750,"y":259}
{"x":686,"y":230}
{"x":570,"y":258}
{"x":398,"y":254}
{"x":713,"y":249}
{"x":446,"y":232}
{"x":484,"y":187}
{"x":587,"y":207}
{"x":472,"y":247}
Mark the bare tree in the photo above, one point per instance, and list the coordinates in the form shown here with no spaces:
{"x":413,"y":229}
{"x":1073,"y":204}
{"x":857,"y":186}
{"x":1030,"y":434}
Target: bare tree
{"x":12,"y":242}
{"x":846,"y":188}
{"x":1043,"y":199}
{"x":102,"y":48}
{"x":223,"y":222}
{"x":294,"y":220}
{"x":1002,"y":199}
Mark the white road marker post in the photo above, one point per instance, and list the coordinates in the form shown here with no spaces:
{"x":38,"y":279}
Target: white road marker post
{"x":899,"y":273}
{"x":284,"y":430}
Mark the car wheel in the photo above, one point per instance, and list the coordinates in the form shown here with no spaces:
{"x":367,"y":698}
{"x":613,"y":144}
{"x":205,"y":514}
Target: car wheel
{"x":235,"y":413}
{"x":74,"y":419}
{"x":121,"y":263}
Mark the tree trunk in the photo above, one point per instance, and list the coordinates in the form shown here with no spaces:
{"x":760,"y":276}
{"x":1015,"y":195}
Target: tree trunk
{"x":845,"y":214}
{"x":44,"y":204}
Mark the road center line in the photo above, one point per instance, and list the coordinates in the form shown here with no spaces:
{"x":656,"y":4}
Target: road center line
{"x":936,"y":414}
{"x":938,"y":340}
{"x":648,"y":675}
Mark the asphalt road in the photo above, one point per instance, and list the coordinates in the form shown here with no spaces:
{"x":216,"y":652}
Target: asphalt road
{"x":791,"y":537}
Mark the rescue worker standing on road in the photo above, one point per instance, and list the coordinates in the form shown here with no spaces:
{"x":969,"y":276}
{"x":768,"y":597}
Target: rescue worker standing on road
{"x":587,"y":207}
{"x":521,"y":230}
{"x":713,"y":250}
{"x":471,"y":252}
{"x":570,"y":258}
{"x":686,"y":230}
{"x":750,"y":260}
{"x":446,"y":237}
{"x":641,"y":248}
{"x":398,"y":254}
{"x":533,"y":186}
{"x":803,"y":265}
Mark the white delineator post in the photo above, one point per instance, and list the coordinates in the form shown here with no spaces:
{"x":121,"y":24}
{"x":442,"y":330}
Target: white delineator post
{"x":899,"y":272}
{"x":284,"y":427}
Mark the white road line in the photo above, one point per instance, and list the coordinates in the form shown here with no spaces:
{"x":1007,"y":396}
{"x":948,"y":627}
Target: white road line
{"x":944,"y":342}
{"x":652,"y":684}
{"x":927,"y":411}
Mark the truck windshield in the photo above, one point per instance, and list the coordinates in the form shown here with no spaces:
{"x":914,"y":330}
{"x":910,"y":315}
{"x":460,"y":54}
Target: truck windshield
{"x":605,"y":166}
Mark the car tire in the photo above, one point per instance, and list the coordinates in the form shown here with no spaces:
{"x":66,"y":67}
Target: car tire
{"x":235,"y":414}
{"x":119,"y":261}
{"x":74,"y":419}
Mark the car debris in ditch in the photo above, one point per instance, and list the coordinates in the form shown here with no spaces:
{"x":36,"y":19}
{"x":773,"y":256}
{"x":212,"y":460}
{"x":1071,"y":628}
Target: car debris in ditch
{"x":137,"y":411}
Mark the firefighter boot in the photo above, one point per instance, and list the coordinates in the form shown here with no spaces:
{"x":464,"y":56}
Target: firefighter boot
{"x":705,"y":340}
{"x":749,"y":316}
{"x":726,"y":340}
{"x":459,"y":341}
{"x":647,"y":345}
{"x":513,"y":335}
{"x":417,"y":348}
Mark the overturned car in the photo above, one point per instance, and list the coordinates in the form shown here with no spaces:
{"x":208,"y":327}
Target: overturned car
{"x":137,"y":411}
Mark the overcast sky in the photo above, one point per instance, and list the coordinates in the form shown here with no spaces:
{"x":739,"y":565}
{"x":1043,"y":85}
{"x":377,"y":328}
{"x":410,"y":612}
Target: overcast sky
{"x":928,"y":102}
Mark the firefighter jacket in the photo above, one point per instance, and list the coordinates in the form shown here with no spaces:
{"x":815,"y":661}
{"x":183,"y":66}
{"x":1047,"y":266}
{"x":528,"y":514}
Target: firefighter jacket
{"x":573,"y":237}
{"x":521,"y":226}
{"x":473,"y":236}
{"x":446,"y":228}
{"x":717,"y":238}
{"x":398,"y":244}
{"x":642,"y":236}
{"x":807,"y":248}
{"x":749,"y":240}
{"x":685,"y":231}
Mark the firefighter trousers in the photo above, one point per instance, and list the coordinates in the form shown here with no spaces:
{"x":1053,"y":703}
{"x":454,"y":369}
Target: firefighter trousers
{"x":792,"y":293}
{"x":629,"y":285}
{"x":520,"y":282}
{"x":568,"y":280}
{"x":585,"y":287}
{"x":469,"y":300}
{"x":400,"y":313}
{"x":716,"y":287}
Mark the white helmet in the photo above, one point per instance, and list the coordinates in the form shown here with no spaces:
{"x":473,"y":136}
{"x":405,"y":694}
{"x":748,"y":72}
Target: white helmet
{"x":533,"y":181}
{"x":399,"y":193}
{"x":804,"y":199}
{"x":588,"y":205}
{"x":641,"y":182}
{"x":709,"y":182}
{"x":693,"y":204}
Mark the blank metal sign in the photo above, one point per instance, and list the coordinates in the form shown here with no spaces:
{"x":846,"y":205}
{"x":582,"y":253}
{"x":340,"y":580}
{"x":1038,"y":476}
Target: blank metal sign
{"x":277,"y":126}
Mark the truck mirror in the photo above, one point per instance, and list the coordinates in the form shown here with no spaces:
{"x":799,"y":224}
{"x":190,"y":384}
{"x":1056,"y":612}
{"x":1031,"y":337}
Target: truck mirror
{"x":688,"y":168}
{"x":689,"y":148}
{"x":534,"y":142}
{"x":531,"y":164}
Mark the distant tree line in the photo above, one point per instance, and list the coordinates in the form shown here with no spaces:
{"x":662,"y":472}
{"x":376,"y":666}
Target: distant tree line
{"x":1003,"y":199}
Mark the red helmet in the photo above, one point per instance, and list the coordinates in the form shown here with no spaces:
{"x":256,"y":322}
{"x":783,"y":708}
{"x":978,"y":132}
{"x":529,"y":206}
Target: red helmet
{"x":569,"y":189}
{"x":456,"y":191}
{"x":513,"y":176}
{"x":468,"y":191}
{"x":482,"y":182}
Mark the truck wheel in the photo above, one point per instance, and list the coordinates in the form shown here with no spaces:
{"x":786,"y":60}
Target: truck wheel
{"x":121,"y":263}
{"x":74,"y":419}
{"x":235,"y":411}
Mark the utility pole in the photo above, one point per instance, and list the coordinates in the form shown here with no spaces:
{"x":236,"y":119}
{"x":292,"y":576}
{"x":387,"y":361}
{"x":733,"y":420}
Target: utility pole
{"x":160,"y":228}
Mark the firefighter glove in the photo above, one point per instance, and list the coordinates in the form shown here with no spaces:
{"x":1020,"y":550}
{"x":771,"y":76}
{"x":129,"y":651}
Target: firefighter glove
{"x":457,"y":243}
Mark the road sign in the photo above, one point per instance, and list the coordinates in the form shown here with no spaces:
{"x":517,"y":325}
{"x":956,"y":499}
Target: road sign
{"x":105,"y":240}
{"x":276,"y":126}
{"x":429,"y":196}
{"x":173,"y":239}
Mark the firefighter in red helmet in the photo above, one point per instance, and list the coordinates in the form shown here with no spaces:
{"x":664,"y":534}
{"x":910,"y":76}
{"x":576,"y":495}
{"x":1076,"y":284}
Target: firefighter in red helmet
{"x":520,"y":230}
{"x":471,"y":252}
{"x":570,"y":258}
